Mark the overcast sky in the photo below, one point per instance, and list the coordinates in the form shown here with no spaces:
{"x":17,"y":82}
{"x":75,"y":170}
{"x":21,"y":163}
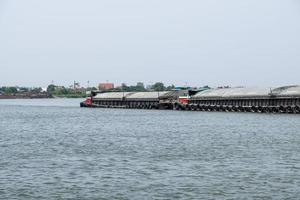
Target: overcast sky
{"x":198,"y":42}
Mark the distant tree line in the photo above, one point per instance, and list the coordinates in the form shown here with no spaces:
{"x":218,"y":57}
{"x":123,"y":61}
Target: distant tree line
{"x":17,"y":90}
{"x":77,"y":91}
{"x":140,"y":87}
{"x":62,"y":91}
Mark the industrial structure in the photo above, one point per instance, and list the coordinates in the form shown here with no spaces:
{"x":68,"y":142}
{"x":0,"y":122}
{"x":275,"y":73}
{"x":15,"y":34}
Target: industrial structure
{"x":263,"y":100}
{"x":106,"y":86}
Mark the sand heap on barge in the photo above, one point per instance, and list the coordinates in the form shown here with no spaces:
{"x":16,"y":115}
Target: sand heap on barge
{"x":263,"y":100}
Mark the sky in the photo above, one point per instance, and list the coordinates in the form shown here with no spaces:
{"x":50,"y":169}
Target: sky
{"x":192,"y":42}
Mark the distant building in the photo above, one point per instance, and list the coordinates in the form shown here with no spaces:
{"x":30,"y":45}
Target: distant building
{"x":106,"y":86}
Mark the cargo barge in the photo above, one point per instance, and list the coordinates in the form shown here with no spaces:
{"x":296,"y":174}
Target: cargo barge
{"x":262,"y":100}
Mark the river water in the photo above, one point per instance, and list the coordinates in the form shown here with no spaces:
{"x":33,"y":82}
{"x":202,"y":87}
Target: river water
{"x":52,"y":149}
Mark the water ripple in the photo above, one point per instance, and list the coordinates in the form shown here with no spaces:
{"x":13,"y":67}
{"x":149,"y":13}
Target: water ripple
{"x":65,"y":152}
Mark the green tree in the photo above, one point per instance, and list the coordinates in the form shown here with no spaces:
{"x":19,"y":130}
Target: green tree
{"x":51,"y":88}
{"x":124,"y":87}
{"x":159,"y":86}
{"x":61,"y":90}
{"x":37,"y":90}
{"x":140,"y":87}
{"x":10,"y":90}
{"x":171,"y":87}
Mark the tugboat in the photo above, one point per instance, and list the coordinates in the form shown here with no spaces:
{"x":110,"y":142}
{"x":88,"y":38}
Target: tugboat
{"x":87,"y":103}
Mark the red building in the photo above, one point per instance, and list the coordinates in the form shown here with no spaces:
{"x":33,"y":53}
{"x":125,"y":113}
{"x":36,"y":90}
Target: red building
{"x":106,"y":86}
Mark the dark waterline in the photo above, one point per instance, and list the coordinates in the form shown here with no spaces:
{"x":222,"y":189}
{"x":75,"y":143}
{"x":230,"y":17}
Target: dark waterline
{"x":52,"y":149}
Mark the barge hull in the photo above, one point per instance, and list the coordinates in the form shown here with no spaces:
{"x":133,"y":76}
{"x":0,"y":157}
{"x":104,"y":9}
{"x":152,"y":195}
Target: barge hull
{"x":195,"y":106}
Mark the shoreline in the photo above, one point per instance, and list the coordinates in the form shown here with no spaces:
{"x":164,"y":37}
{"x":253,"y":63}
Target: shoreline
{"x":20,"y":97}
{"x":41,"y":97}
